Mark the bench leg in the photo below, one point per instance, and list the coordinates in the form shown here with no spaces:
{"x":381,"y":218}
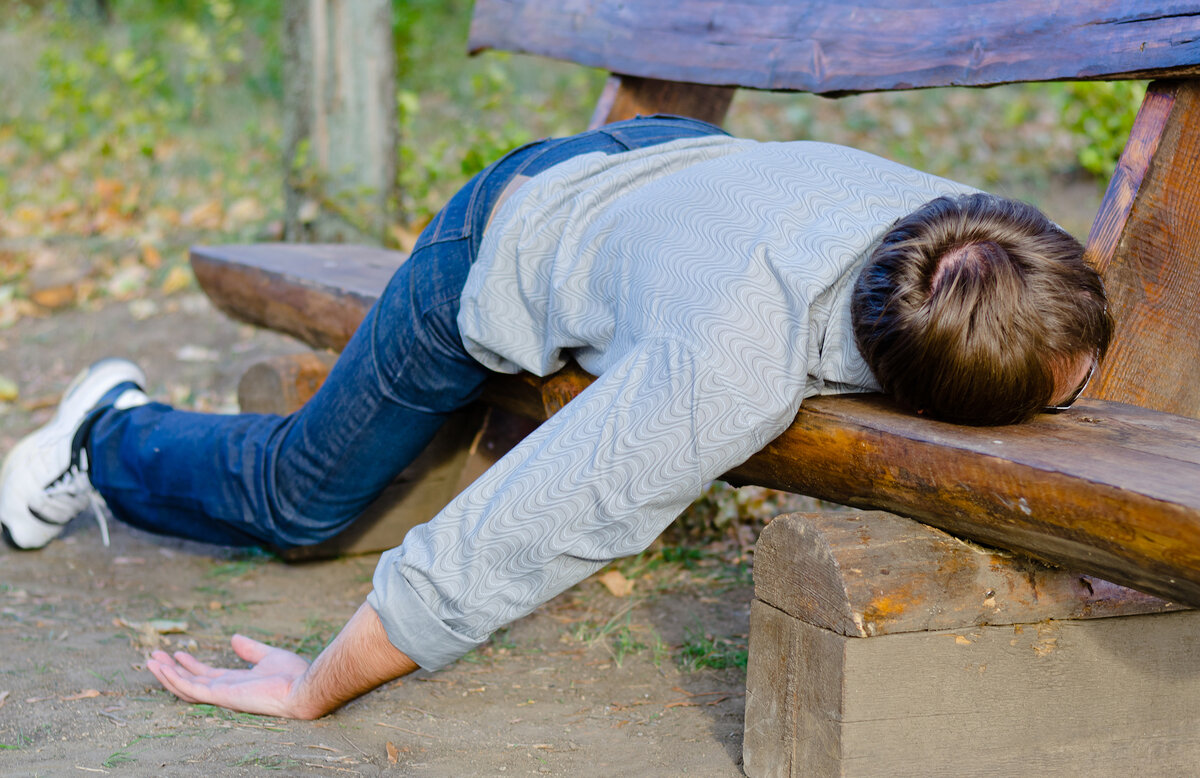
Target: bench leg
{"x":880,"y":646}
{"x":1146,"y":245}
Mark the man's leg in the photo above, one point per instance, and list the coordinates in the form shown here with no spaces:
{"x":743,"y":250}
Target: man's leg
{"x":281,"y":481}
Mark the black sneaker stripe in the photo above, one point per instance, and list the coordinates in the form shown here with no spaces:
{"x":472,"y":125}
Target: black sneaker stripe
{"x":45,"y":520}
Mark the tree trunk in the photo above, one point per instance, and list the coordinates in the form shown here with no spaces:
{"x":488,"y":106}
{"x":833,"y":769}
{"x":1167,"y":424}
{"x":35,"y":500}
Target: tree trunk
{"x":340,"y":120}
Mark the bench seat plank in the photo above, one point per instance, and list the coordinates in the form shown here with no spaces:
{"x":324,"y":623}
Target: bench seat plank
{"x":851,"y":45}
{"x":1109,"y":489}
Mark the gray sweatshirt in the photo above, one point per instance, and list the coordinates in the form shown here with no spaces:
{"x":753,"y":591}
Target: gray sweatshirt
{"x":706,"y":283}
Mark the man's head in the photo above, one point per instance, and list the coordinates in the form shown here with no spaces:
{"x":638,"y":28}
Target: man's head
{"x":980,"y":310}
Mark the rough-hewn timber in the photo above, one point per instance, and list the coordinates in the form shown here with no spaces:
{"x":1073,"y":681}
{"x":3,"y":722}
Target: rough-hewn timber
{"x":851,"y":45}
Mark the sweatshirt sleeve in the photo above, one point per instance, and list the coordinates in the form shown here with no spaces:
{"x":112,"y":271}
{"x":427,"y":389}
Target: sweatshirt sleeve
{"x":599,"y":480}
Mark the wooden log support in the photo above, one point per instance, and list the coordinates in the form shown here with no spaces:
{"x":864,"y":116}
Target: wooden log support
{"x":879,"y":646}
{"x":1109,"y":489}
{"x":625,"y":97}
{"x":1146,"y":244}
{"x":283,"y":384}
{"x":851,"y":45}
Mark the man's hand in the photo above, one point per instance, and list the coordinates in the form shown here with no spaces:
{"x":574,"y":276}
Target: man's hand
{"x":281,"y":683}
{"x":267,"y":688}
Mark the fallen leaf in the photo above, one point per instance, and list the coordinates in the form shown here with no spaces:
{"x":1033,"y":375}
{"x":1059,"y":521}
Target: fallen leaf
{"x":167,"y":626}
{"x":206,"y":216}
{"x":107,"y":188}
{"x":3,"y":697}
{"x":86,"y":694}
{"x":616,"y":583}
{"x":392,"y":752}
{"x":142,"y":309}
{"x":193,"y":353}
{"x":8,"y":390}
{"x":128,"y":281}
{"x":178,"y":279}
{"x":244,"y":211}
{"x":151,"y":256}
{"x":58,"y":296}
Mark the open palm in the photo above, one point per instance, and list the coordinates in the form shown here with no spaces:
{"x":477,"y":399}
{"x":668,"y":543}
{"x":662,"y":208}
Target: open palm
{"x":266,"y":688}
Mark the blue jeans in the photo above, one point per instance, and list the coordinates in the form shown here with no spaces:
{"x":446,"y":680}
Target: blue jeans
{"x":282,"y":481}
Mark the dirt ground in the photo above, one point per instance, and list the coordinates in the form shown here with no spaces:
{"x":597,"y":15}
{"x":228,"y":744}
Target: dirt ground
{"x":591,"y":684}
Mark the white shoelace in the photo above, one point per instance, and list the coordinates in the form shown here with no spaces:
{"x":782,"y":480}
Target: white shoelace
{"x":70,"y":493}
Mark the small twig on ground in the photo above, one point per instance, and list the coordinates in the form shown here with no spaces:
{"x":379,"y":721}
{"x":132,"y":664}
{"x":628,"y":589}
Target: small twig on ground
{"x":402,"y":729}
{"x":120,"y":722}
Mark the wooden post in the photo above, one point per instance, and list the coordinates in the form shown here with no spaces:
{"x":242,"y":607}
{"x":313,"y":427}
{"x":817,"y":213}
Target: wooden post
{"x":339,"y":120}
{"x":625,"y":97}
{"x":1146,"y":244}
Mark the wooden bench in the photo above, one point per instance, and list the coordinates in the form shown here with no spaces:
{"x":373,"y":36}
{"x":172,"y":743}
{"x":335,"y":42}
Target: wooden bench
{"x":1110,"y":489}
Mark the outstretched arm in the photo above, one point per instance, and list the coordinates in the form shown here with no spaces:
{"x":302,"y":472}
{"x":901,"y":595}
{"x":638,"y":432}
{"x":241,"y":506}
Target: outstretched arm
{"x":283,"y":684}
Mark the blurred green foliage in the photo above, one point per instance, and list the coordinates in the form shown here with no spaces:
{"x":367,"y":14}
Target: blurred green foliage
{"x":158,"y":72}
{"x":1102,"y":112}
{"x":457,"y":113}
{"x":122,"y":89}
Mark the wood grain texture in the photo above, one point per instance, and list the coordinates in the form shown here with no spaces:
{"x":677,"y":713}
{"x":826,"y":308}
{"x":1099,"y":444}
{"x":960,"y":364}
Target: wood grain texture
{"x":317,"y":293}
{"x":854,"y":46}
{"x":1136,"y":158}
{"x":795,"y":677}
{"x":875,"y":573}
{"x":1150,"y":255}
{"x":1100,"y":697}
{"x":283,"y":384}
{"x":625,"y":97}
{"x":1107,"y":489}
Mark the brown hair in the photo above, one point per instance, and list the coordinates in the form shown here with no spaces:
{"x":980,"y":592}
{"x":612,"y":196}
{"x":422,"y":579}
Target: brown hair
{"x":971,"y":305}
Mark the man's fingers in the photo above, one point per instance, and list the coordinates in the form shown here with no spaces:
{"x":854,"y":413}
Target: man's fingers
{"x":171,"y":680}
{"x":249,"y":648}
{"x":193,"y":665}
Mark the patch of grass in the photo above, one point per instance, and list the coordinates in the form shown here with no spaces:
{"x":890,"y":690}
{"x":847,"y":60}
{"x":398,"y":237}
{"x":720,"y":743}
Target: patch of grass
{"x":207,"y":711}
{"x":705,"y":650}
{"x":624,"y":642}
{"x":118,"y":758}
{"x":110,"y":678}
{"x":240,"y":566}
{"x":318,"y":632}
{"x":618,"y":634}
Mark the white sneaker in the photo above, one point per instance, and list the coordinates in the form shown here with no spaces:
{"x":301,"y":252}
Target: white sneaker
{"x":44,"y":482}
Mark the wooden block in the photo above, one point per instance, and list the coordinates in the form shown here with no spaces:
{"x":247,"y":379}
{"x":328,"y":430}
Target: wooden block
{"x":879,"y":646}
{"x":1102,"y":697}
{"x":840,"y":46}
{"x":875,"y":573}
{"x":1146,"y":244}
